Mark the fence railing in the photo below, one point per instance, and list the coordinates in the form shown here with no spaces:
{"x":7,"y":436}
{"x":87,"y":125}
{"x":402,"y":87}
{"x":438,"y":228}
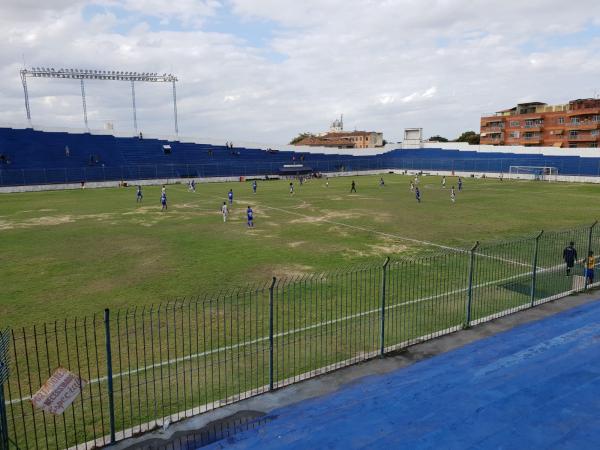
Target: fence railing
{"x":150,"y":366}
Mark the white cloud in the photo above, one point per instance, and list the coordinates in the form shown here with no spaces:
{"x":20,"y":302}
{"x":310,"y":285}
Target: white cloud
{"x":385,"y":64}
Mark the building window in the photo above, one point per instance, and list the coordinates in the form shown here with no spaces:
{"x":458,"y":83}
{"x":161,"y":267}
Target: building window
{"x":593,"y":145}
{"x":575,"y":120}
{"x":514,"y":123}
{"x":573,"y":133}
{"x":572,"y":145}
{"x":596,"y":118}
{"x":560,"y":120}
{"x":595,"y":132}
{"x":514,"y":134}
{"x":529,"y":123}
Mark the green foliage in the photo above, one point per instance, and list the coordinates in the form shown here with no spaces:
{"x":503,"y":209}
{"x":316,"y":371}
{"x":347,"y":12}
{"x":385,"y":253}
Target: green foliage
{"x":300,"y":137}
{"x":437,"y":138}
{"x":469,"y":136}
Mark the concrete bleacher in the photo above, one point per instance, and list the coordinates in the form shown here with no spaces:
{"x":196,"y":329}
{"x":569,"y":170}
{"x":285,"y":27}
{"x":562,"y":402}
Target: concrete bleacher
{"x":38,"y":157}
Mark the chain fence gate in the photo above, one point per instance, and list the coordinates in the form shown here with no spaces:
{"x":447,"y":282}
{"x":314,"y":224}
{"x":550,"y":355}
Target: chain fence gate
{"x":4,"y":344}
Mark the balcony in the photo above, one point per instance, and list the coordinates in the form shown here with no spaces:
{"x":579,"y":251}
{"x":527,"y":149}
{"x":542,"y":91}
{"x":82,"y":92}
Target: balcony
{"x":589,"y":125}
{"x":495,"y":129}
{"x":583,"y":138}
{"x":583,"y":112}
{"x":536,"y":127}
{"x":493,"y":140}
{"x":531,"y":139}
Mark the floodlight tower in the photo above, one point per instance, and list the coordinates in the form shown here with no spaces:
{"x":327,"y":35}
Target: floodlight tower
{"x":103,"y":75}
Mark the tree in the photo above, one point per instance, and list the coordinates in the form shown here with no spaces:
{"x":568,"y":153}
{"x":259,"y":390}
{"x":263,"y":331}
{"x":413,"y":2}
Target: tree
{"x":469,"y":136}
{"x":300,"y":137}
{"x":437,"y":138}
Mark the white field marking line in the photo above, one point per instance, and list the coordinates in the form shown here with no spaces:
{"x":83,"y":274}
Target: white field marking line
{"x":294,"y":331}
{"x":394,"y":236}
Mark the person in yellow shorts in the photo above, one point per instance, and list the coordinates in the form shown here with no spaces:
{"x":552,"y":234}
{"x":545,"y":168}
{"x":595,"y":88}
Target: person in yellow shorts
{"x":590,"y":263}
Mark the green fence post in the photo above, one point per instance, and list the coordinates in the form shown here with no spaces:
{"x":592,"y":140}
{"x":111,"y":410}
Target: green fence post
{"x":534,"y":267}
{"x":382,"y":318}
{"x":4,"y":373}
{"x":470,"y":289}
{"x":109,"y":377}
{"x":271,"y":346}
{"x":585,"y":286}
{"x":3,"y":421}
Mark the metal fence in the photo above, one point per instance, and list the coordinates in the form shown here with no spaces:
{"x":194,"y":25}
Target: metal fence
{"x":148,"y":367}
{"x":271,"y":166}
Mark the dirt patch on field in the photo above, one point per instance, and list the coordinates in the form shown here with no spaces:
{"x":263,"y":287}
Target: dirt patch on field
{"x":328,"y":216}
{"x":295,"y":244}
{"x":385,"y":247}
{"x":289,"y":271}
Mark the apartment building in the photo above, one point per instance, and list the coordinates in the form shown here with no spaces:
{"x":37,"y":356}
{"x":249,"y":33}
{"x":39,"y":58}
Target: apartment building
{"x":574,"y":124}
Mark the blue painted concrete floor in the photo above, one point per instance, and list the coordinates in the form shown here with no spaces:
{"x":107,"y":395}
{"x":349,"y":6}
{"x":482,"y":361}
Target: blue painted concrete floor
{"x":535,"y":386}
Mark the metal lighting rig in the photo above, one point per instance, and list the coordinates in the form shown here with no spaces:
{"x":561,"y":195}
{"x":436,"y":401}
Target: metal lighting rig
{"x":103,"y":75}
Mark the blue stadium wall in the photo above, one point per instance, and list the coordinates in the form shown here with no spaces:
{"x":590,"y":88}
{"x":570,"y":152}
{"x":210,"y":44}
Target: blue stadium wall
{"x":31,"y":157}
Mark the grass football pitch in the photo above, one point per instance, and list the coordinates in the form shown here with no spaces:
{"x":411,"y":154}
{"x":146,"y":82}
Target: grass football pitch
{"x":73,"y":253}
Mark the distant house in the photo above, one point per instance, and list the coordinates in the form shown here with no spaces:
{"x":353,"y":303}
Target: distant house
{"x":337,"y":137}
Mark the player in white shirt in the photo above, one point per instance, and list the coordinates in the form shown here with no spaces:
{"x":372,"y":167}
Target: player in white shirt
{"x":412,"y":186}
{"x":444,"y":182}
{"x":452,"y":195}
{"x":225,"y":211}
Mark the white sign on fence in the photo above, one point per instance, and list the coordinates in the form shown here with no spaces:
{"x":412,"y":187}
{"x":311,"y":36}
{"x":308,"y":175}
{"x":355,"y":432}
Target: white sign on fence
{"x":58,"y":392}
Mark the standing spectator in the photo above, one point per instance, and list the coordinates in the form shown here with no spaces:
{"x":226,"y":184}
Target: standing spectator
{"x":570,"y":256}
{"x":67,"y":151}
{"x":590,"y":264}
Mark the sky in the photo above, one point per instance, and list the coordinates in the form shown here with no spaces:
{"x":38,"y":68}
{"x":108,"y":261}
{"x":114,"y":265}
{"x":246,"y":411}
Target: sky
{"x":266,"y":70}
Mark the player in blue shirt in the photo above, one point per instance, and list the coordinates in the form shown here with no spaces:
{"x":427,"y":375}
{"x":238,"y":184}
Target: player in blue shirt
{"x":418,"y":195}
{"x":254,"y":186}
{"x":139,"y":195}
{"x":381,"y":182}
{"x":163,"y":201}
{"x":250,"y":214}
{"x":230,"y":196}
{"x":459,"y":184}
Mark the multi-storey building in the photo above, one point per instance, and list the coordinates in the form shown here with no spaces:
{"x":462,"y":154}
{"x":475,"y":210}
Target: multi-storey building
{"x":337,"y":137}
{"x":574,"y":124}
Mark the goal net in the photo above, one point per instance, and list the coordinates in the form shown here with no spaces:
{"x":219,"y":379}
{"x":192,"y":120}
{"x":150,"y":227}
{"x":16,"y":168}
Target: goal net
{"x":543,"y":173}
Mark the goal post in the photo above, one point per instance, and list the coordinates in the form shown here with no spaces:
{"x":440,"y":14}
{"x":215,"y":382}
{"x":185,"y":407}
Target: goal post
{"x":542,"y":173}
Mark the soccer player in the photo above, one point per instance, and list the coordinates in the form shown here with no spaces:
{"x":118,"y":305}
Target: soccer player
{"x":326,"y":182}
{"x":452,"y":194}
{"x":416,"y":179}
{"x":418,"y":195}
{"x":381,"y":182}
{"x":590,"y":264}
{"x":250,"y":214}
{"x":459,"y":184}
{"x":225,"y":211}
{"x":254,"y":186}
{"x":412,"y":186}
{"x":163,"y":201}
{"x":138,"y":195}
{"x":163,"y":190}
{"x":353,"y":187}
{"x":230,"y":196}
{"x":444,"y":182}
{"x":291,"y":187}
{"x":570,"y":256}
{"x":192,"y":186}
